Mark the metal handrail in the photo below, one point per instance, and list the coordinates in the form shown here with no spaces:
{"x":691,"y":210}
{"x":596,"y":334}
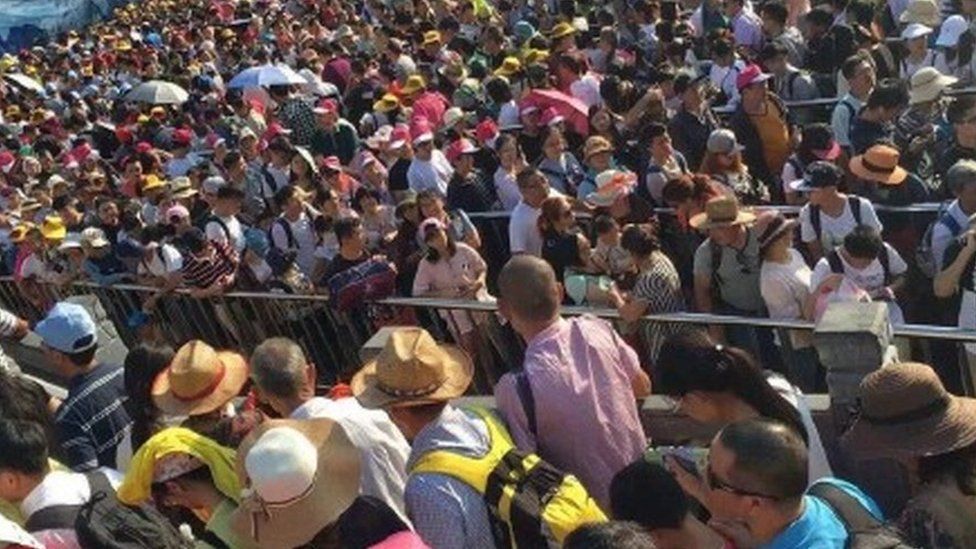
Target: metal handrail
{"x":926,"y":331}
{"x":922,"y":207}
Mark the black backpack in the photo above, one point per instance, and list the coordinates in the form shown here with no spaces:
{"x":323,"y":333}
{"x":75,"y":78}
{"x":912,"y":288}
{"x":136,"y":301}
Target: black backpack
{"x":105,"y":523}
{"x":864,"y":531}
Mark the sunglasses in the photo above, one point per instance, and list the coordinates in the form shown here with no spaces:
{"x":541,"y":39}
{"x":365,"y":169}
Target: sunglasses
{"x":715,"y":483}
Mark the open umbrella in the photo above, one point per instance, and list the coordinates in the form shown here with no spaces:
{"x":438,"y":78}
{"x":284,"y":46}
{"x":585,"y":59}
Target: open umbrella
{"x":158,"y":92}
{"x":569,"y":107}
{"x":23,"y":81}
{"x":266,"y":75}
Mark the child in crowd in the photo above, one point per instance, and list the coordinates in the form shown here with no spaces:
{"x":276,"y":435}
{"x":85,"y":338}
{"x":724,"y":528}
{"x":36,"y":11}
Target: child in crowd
{"x":608,"y":255}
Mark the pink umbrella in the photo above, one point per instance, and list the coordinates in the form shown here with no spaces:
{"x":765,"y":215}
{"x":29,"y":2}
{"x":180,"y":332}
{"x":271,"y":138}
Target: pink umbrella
{"x":570,"y":108}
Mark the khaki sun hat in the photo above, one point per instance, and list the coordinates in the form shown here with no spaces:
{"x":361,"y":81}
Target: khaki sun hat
{"x":413,"y":369}
{"x":721,"y":211}
{"x":199,"y":380}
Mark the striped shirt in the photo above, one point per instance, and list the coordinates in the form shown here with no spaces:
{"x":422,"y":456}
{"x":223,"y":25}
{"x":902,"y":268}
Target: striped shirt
{"x":93,"y":420}
{"x":203,"y":272}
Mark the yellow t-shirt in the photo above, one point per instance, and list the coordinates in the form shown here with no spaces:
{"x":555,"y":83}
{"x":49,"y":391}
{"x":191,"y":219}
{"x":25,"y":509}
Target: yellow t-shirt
{"x":774,"y":135}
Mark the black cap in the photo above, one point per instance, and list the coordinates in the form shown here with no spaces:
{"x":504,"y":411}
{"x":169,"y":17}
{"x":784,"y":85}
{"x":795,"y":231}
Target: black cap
{"x":818,"y":175}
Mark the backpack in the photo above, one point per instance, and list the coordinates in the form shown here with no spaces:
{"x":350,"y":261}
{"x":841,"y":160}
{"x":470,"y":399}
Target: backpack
{"x":853,"y":201}
{"x":530,"y":503}
{"x":924,"y":256}
{"x":864,"y":531}
{"x":837,"y":265}
{"x":370,"y":280}
{"x":105,"y":523}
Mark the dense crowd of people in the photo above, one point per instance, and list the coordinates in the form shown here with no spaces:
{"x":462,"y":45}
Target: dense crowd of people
{"x":636,"y":149}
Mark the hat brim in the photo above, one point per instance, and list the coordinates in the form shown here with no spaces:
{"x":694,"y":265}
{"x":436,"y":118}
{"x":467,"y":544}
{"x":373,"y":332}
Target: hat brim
{"x":459,"y":373}
{"x":701,"y":222}
{"x":954,"y":429}
{"x":786,"y":227}
{"x":589,"y":154}
{"x":235,"y":376}
{"x":56,"y":234}
{"x":758,"y":79}
{"x":895,"y":177}
{"x":297,"y":523}
{"x":410,"y":90}
{"x":932,"y":90}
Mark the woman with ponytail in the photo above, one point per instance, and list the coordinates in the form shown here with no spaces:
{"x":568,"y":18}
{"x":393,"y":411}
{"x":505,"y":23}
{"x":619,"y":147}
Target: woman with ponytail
{"x":720,"y":385}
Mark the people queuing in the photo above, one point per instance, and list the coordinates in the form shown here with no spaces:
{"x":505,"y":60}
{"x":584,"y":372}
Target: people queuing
{"x":526,"y":154}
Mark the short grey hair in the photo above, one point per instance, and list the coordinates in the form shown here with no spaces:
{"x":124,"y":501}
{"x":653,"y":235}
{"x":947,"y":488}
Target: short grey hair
{"x":278,"y":367}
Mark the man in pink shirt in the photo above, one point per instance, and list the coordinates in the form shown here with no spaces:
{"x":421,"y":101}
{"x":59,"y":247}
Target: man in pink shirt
{"x":574,"y":403}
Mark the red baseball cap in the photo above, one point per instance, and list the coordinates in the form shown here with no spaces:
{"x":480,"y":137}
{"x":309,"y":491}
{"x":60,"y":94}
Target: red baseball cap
{"x":7,"y":161}
{"x":750,"y":75}
{"x":182,"y":137}
{"x":400,"y":136}
{"x":486,"y":130}
{"x":327,"y":106}
{"x":143,"y":147}
{"x":458,"y":148}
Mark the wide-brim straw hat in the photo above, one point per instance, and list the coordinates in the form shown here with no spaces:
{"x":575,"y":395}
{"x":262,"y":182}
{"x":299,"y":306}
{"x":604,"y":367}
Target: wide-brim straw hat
{"x":199,"y":380}
{"x":879,"y":164}
{"x":927,"y":84}
{"x":412,"y":370}
{"x":770,"y":226}
{"x":595,"y":145}
{"x":317,"y":486}
{"x":906,"y":412}
{"x":721,"y":211}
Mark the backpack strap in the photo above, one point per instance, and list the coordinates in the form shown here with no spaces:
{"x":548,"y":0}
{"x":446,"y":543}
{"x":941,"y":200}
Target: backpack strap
{"x":836,"y":265}
{"x":289,"y":236}
{"x":855,"y":204}
{"x":56,"y":517}
{"x":951,"y":223}
{"x":99,"y":484}
{"x":885,"y":259}
{"x":527,"y":399}
{"x":223,"y":226}
{"x":850,"y":511}
{"x":791,"y":82}
{"x":815,"y":220}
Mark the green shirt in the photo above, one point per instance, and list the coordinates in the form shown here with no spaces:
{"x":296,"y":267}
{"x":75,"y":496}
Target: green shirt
{"x":737,"y":274}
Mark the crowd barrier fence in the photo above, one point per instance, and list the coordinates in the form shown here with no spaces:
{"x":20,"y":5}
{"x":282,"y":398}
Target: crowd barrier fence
{"x":332,"y":339}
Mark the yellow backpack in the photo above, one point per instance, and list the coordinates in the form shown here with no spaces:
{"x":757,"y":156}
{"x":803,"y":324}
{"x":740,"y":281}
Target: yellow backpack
{"x":530,"y":502}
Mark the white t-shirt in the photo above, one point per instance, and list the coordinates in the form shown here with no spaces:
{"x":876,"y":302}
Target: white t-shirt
{"x":216,"y":233}
{"x":834,"y":229}
{"x":785,"y":287}
{"x":165,"y":261}
{"x":869,"y":279}
{"x":818,"y":466}
{"x":433,"y":174}
{"x":304,"y":241}
{"x":384,"y":450}
{"x":523,"y":230}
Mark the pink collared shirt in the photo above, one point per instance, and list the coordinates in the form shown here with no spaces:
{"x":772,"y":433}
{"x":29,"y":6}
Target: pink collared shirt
{"x":587,"y":420}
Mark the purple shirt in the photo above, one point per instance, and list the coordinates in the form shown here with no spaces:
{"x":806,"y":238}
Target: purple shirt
{"x":587,"y":420}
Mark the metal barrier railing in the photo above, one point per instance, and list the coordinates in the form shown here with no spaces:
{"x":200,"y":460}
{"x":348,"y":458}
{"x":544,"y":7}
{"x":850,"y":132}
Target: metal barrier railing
{"x":332,"y":339}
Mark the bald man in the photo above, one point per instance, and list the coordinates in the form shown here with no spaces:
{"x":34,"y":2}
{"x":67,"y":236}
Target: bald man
{"x":574,"y":402}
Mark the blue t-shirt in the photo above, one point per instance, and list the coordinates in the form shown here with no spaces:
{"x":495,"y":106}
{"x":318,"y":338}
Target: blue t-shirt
{"x":819,"y":527}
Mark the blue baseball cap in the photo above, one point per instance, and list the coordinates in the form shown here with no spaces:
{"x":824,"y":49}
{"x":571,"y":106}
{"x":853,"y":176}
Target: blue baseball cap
{"x":68,"y":328}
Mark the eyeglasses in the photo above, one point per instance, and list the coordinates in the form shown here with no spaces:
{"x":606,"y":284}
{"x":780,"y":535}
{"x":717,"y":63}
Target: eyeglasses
{"x":715,"y":483}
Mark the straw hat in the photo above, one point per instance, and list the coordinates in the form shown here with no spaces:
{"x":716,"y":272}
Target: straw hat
{"x":431,"y":38}
{"x":927,"y":84}
{"x":879,"y":164}
{"x":510,"y":67}
{"x":413,"y":369}
{"x":561,"y":30}
{"x":595,"y":145}
{"x":302,"y":475}
{"x":905,"y":411}
{"x":414,"y":84}
{"x":53,"y":228}
{"x":721,"y":211}
{"x":181,"y":187}
{"x":199,"y":380}
{"x":153,"y":181}
{"x":20,"y":232}
{"x":386,"y":103}
{"x":925,"y":12}
{"x":611,"y":185}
